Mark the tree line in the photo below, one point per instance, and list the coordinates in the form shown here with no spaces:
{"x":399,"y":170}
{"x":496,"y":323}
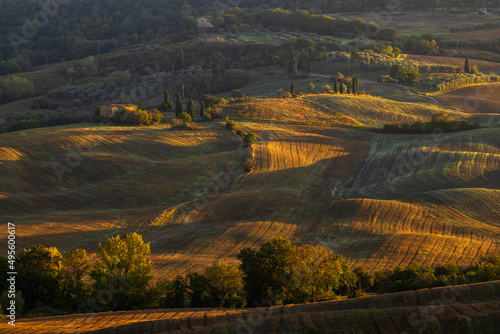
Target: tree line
{"x":119,"y":277}
{"x":442,"y":122}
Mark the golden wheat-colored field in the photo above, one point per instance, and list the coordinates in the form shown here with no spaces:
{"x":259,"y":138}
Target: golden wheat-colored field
{"x":460,"y":309}
{"x":379,"y":200}
{"x":343,"y":110}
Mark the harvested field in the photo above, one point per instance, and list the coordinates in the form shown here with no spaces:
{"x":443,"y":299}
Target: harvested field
{"x":486,"y":35}
{"x":481,"y":99}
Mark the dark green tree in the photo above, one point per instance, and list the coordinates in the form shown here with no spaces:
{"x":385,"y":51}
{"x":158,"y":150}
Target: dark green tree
{"x":202,"y":110}
{"x":179,"y":106}
{"x":467,"y":65}
{"x":292,"y":88}
{"x":167,"y":104}
{"x":266,"y":271}
{"x":122,"y":271}
{"x":341,"y":86}
{"x":38,"y":276}
{"x":190,"y":108}
{"x":335,"y":86}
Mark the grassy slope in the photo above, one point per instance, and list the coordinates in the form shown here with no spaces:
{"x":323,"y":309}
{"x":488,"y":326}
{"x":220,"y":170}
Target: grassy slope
{"x":373,"y":198}
{"x":460,"y":309}
{"x":327,"y":109}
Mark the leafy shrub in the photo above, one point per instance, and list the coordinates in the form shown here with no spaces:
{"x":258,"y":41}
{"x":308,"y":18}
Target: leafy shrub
{"x":41,"y":102}
{"x":24,"y":125}
{"x":178,"y":124}
{"x":212,"y":101}
{"x":250,"y":138}
{"x":207,"y":116}
{"x":236,"y":93}
{"x":230,"y":124}
{"x":185,"y":117}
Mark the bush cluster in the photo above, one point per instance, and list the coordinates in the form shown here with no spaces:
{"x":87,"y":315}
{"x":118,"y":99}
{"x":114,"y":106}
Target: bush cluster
{"x":132,"y":117}
{"x":442,"y":122}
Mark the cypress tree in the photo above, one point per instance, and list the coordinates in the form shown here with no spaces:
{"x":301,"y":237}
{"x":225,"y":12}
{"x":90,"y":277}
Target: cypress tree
{"x":348,"y":84}
{"x":190,"y":108}
{"x":335,"y":86}
{"x":167,"y":104}
{"x":467,"y":66}
{"x":179,"y":106}
{"x":341,"y":86}
{"x":292,"y":89}
{"x":202,"y":110}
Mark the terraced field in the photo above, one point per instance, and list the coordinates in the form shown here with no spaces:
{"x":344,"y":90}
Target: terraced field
{"x":460,"y":309}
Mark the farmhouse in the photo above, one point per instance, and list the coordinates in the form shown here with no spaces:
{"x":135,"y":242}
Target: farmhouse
{"x":204,"y":23}
{"x":109,"y":110}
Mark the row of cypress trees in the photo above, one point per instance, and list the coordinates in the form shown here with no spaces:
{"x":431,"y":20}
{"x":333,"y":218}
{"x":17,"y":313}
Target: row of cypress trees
{"x":338,"y":86}
{"x":179,"y":105}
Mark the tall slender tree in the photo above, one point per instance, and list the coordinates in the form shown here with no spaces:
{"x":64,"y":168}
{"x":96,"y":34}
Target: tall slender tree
{"x":292,"y":88}
{"x":335,"y":86}
{"x":341,"y":86}
{"x":190,"y":108}
{"x":167,"y":104}
{"x":179,"y":106}
{"x":202,"y":110}
{"x":467,"y":65}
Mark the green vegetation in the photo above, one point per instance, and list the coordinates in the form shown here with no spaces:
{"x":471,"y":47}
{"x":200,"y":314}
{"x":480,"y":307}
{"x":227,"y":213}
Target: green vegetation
{"x":179,"y":105}
{"x":134,"y":117}
{"x":167,"y":104}
{"x":16,"y":88}
{"x":440,"y":122}
{"x":277,"y":273}
{"x":249,"y":139}
{"x":190,"y":108}
{"x":185,"y":117}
